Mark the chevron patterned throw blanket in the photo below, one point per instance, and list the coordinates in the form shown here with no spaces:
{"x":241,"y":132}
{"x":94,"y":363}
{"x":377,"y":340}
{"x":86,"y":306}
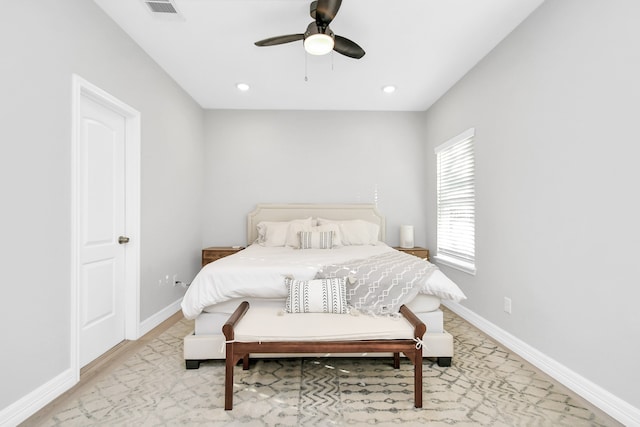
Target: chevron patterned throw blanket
{"x":380,"y":284}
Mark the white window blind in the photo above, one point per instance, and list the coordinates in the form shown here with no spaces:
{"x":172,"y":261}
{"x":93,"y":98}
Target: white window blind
{"x":456,"y":202}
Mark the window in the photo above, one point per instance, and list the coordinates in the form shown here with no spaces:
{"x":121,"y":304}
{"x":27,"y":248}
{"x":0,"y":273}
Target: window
{"x":456,"y":202}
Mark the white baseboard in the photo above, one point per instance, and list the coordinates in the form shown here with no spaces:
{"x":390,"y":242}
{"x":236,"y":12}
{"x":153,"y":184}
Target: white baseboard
{"x":22,"y":409}
{"x":19,"y":411}
{"x":151,"y":322}
{"x":606,"y":401}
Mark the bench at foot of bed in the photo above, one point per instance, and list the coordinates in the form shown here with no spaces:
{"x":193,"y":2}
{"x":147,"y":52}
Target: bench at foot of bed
{"x":248,"y":334}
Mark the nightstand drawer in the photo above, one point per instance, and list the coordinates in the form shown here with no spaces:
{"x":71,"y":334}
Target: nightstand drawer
{"x":215,"y":253}
{"x":417,"y":251}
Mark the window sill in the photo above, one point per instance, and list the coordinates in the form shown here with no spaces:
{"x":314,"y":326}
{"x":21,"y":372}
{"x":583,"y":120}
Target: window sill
{"x":454,"y":263}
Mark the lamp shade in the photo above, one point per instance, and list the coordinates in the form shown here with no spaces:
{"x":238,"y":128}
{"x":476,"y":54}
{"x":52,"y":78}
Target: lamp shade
{"x":406,"y":236}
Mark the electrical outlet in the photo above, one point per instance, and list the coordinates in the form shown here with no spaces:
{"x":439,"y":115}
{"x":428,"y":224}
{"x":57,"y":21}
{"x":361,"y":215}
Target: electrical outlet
{"x":507,"y":305}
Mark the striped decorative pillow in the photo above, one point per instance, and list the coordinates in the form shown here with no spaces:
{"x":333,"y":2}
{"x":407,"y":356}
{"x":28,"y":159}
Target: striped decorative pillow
{"x":316,"y":239}
{"x":316,"y":296}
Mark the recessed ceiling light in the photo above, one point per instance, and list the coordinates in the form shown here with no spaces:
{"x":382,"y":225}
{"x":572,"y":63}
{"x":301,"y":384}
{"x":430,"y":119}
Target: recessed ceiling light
{"x":242,"y":87}
{"x":389,"y":89}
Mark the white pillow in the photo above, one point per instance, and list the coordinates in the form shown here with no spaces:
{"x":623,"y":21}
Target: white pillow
{"x":440,"y":285}
{"x":316,"y":239}
{"x":275,"y":233}
{"x":316,"y":296}
{"x":355,"y":231}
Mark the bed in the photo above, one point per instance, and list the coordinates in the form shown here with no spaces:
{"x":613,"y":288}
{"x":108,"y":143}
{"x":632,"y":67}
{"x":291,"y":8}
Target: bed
{"x":333,"y":238}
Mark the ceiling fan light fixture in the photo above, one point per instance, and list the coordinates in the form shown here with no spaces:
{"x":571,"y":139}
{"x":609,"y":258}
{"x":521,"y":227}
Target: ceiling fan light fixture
{"x":318,"y":44}
{"x":318,"y":39}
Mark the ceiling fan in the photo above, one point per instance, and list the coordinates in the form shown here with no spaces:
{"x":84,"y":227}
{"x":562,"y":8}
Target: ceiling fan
{"x":319,"y":39}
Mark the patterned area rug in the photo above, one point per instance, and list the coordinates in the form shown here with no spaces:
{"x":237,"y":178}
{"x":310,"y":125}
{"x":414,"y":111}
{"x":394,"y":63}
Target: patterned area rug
{"x":486,"y":385}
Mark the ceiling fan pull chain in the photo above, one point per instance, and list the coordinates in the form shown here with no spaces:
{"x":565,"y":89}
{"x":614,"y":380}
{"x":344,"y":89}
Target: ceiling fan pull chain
{"x":306,"y":77}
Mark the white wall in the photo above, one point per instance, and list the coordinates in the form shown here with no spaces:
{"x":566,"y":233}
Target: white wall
{"x":556,"y":107}
{"x":311,"y":157}
{"x":553,"y":106}
{"x":43,"y":43}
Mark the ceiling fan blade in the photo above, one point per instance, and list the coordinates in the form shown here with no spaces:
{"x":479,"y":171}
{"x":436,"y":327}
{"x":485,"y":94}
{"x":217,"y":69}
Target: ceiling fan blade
{"x":272,"y":41}
{"x":326,"y":10}
{"x":348,"y":48}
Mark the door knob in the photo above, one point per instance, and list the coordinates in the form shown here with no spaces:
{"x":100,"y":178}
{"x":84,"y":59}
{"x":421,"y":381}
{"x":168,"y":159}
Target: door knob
{"x":123,"y":239}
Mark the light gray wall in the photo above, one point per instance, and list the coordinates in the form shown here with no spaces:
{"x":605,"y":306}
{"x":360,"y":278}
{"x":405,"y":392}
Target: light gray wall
{"x":311,"y":157}
{"x":556,"y":107}
{"x":43,"y":43}
{"x":553,"y":107}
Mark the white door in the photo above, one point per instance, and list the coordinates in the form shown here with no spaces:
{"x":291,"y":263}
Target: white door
{"x":101,"y":229}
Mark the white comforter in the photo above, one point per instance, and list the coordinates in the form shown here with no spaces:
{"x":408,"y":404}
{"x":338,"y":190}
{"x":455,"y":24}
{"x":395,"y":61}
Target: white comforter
{"x":259,"y":272}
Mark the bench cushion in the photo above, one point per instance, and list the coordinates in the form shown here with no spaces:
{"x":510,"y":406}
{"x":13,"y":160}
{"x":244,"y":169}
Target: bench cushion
{"x":267,"y":324}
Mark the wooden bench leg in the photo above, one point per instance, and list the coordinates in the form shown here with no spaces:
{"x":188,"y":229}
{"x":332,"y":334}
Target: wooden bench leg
{"x":396,"y":360}
{"x":245,"y":362}
{"x":228,"y":378}
{"x":417,"y":380}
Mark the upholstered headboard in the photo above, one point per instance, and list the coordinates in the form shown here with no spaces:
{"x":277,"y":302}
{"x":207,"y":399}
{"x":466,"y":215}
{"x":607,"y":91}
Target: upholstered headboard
{"x":287,"y":212}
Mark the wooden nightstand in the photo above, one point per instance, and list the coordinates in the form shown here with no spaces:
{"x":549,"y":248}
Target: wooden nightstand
{"x":416,"y":251}
{"x":216,"y":252}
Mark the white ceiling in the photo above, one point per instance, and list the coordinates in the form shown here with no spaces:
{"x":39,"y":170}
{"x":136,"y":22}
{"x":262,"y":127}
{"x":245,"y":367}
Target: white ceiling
{"x":421,"y":46}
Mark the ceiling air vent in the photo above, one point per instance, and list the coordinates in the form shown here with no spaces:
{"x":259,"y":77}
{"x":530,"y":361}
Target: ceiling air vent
{"x":161,"y":6}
